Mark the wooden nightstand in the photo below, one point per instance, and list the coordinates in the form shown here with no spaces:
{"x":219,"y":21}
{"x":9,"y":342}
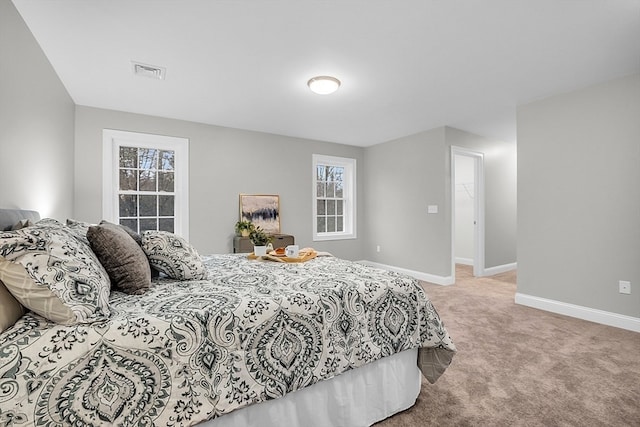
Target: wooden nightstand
{"x":281,"y":240}
{"x":244,"y":245}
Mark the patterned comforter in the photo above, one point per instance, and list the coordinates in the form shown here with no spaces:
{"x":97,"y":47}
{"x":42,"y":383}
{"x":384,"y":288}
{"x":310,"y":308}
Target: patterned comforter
{"x":189,"y":351}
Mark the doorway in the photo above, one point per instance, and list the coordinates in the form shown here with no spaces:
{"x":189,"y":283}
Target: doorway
{"x":467,"y":209}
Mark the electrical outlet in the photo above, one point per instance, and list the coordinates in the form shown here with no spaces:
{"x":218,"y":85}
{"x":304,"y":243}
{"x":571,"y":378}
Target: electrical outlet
{"x":625,"y":286}
{"x":378,"y":248}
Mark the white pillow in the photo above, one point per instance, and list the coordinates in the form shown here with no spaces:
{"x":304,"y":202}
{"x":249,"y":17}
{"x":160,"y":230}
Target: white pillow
{"x":173,"y":256}
{"x":53,"y":273}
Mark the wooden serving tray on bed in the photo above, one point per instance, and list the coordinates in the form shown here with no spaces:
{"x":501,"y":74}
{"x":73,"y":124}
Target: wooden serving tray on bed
{"x":304,"y":255}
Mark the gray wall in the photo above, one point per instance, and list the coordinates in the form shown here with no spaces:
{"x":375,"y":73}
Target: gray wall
{"x":223,"y":163}
{"x":579,"y":196}
{"x":406,"y":175}
{"x":36,"y":124}
{"x":402,"y":177}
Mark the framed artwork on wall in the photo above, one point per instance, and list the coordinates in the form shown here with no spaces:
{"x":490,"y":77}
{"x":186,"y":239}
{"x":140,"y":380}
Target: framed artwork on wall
{"x":263,"y":210}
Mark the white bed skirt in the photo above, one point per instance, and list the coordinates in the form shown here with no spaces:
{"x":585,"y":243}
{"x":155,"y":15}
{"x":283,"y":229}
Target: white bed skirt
{"x":359,"y":397}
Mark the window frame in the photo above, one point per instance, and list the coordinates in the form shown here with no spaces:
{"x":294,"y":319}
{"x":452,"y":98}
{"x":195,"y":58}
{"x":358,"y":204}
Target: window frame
{"x":349,"y":197}
{"x":112,"y":140}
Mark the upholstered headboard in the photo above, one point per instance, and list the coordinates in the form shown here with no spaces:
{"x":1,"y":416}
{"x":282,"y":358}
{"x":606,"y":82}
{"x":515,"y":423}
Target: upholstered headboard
{"x":10,"y":217}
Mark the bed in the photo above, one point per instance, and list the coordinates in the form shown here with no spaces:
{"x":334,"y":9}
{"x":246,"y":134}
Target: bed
{"x":239,"y":342}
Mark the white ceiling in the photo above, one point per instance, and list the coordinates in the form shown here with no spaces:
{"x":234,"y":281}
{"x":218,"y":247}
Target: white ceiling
{"x":405,"y":65}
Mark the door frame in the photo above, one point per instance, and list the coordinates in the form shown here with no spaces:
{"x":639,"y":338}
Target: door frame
{"x":478,"y":207}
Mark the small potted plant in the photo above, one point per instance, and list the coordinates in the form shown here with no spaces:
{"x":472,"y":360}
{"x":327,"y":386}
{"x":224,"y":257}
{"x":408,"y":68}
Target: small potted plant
{"x":259,"y":239}
{"x":244,"y":228}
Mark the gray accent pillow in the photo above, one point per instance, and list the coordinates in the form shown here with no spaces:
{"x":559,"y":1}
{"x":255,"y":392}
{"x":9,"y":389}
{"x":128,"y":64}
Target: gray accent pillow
{"x":172,"y":255}
{"x":122,"y":257}
{"x":53,"y":273}
{"x":138,"y":238}
{"x":135,"y":236}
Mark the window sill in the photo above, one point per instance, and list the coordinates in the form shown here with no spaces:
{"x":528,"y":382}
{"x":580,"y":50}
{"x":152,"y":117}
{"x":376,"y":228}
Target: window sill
{"x":326,"y":237}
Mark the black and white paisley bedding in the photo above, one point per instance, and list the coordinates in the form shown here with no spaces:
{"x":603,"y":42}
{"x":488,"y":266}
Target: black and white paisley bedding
{"x":187,"y":351}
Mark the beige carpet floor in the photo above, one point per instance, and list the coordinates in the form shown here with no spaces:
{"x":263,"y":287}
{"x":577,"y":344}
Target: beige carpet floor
{"x":518,"y":366}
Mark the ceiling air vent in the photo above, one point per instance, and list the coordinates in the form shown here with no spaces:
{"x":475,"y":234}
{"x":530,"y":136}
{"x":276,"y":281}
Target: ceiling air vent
{"x":146,"y":70}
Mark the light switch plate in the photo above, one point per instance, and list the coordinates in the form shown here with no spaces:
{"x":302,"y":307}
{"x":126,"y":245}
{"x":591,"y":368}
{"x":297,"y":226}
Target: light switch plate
{"x":432,"y":209}
{"x":624,"y":287}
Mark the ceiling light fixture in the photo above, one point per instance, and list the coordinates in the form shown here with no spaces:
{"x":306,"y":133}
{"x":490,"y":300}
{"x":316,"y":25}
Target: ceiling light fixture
{"x":323,"y":85}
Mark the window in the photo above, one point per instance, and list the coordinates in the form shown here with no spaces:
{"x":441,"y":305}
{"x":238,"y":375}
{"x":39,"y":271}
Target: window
{"x":334,"y":190}
{"x":145,"y":181}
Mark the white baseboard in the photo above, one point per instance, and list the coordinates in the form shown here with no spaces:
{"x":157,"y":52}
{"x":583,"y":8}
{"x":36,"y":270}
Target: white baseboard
{"x":580,"y":312}
{"x":431,"y":278}
{"x":491,"y":270}
{"x":500,"y":269}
